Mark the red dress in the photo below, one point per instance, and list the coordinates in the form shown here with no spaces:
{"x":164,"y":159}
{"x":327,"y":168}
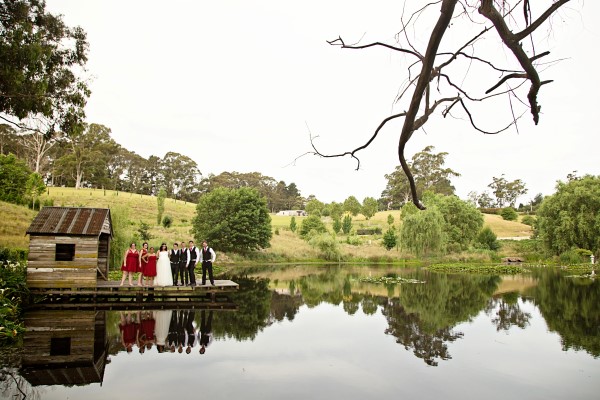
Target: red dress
{"x":131,"y":261}
{"x":147,"y":328}
{"x":143,"y":263}
{"x":150,"y":268}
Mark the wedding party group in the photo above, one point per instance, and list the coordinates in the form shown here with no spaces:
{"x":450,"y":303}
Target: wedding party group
{"x":169,"y":330}
{"x":168,"y":267}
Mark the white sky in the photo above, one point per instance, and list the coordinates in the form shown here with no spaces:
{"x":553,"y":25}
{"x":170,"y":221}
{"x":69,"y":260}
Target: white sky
{"x":233,"y":84}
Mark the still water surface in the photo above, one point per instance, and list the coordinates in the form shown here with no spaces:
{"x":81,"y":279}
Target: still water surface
{"x":319,"y":333}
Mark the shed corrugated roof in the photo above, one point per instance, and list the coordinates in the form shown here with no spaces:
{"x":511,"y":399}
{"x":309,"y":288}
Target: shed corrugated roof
{"x":69,"y":221}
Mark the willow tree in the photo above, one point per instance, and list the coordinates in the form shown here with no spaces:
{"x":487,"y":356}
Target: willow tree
{"x":442,"y":79}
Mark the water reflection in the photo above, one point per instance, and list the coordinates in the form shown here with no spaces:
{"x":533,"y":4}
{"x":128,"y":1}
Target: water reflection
{"x":306,"y":314}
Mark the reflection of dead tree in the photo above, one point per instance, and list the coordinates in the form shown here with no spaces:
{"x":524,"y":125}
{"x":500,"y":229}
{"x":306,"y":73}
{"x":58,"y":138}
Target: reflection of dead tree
{"x":442,"y":79}
{"x":14,"y":386}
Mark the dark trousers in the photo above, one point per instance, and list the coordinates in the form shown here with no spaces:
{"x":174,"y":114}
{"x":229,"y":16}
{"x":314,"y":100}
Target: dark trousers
{"x":183,"y":273}
{"x":207,"y":266}
{"x":174,"y":272}
{"x":191,"y":267}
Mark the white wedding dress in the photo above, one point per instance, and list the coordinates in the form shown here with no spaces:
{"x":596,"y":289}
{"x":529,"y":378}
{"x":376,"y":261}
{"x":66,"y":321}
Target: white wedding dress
{"x":163,"y":270}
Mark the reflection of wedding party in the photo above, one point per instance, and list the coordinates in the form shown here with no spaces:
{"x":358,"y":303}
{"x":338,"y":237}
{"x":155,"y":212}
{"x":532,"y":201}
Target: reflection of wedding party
{"x":168,"y":267}
{"x":169,"y":330}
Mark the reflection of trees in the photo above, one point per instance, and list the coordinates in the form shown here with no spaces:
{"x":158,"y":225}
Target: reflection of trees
{"x":446,"y":300}
{"x":423,"y":317}
{"x":254,"y":304}
{"x":407,"y":328}
{"x":570,"y":308}
{"x":508,"y":313}
{"x":284,"y":306}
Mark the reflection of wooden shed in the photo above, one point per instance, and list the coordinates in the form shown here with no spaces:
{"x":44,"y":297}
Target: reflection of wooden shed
{"x":64,"y":347}
{"x":68,"y":247}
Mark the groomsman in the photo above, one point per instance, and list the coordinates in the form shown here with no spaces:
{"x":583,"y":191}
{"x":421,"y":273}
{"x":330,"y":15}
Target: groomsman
{"x":207,"y":257}
{"x":183,"y":262}
{"x":174,"y":256}
{"x":193,"y":257}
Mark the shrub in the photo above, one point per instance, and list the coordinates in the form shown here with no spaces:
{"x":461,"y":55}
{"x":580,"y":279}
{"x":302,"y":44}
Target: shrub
{"x":509,"y":214}
{"x":293,"y":225}
{"x":347,"y":224}
{"x":353,"y":240}
{"x":167,"y":221}
{"x":486,"y":239}
{"x":390,"y":239}
{"x":327,"y":245}
{"x":368,"y":231}
{"x":528,"y":220}
{"x":311,"y":223}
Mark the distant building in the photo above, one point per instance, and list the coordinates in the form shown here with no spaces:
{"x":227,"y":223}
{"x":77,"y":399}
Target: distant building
{"x":69,"y":247}
{"x":293,"y":213}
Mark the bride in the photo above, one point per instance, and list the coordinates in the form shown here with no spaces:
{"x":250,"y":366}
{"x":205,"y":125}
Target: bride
{"x":163,"y":268}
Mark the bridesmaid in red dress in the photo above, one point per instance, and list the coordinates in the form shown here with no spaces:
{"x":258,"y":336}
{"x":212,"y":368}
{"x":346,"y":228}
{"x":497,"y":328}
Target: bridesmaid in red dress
{"x":129,"y":331}
{"x":150,"y":269}
{"x":146,"y":333}
{"x":143,"y":263}
{"x":131,"y":263}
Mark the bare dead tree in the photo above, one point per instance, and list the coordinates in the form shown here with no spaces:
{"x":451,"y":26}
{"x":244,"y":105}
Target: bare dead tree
{"x":434,"y":86}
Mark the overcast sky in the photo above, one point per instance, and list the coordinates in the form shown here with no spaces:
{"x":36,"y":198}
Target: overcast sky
{"x":240,"y":85}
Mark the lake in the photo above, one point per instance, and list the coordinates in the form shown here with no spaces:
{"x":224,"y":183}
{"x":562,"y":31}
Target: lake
{"x":322,"y":332}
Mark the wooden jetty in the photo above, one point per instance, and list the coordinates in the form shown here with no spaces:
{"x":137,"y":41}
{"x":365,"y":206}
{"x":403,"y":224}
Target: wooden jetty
{"x":111,"y":295}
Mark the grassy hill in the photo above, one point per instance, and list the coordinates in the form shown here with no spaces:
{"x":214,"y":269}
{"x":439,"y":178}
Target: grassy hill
{"x":285,"y":245}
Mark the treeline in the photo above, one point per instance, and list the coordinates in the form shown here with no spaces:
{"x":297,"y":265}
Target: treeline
{"x":92,"y":159}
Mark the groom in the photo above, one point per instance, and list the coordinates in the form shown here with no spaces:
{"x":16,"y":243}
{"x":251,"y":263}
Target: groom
{"x":174,"y":256}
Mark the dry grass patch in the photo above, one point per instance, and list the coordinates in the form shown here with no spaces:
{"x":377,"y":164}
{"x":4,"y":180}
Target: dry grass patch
{"x":506,"y":229}
{"x":15,"y":221}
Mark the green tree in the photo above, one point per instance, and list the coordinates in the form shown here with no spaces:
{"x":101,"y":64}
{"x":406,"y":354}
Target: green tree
{"x":40,"y":56}
{"x":369,"y":207}
{"x":144,"y":231}
{"x":352,"y":205}
{"x":160,"y":200}
{"x":310,"y":225}
{"x":390,"y":238}
{"x":462,"y":221}
{"x":314,"y":207}
{"x":336,"y":210}
{"x":507,"y":192}
{"x":235,"y":220}
{"x":336,"y":225}
{"x":86,"y":154}
{"x":390,"y":219}
{"x":408,"y":209}
{"x":14,"y":174}
{"x":570,"y":218}
{"x":422,"y":232}
{"x":34,"y":187}
{"x":180,"y":176}
{"x":293,"y":225}
{"x":347,"y":224}
{"x":429,"y":174}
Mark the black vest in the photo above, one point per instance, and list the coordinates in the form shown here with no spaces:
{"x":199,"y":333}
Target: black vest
{"x":183,"y":256}
{"x":206,"y":256}
{"x":192,"y":253}
{"x":175,"y":256}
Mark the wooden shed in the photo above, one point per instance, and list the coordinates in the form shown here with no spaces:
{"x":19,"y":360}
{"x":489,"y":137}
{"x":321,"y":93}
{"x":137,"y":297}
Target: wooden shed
{"x":69,"y":247}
